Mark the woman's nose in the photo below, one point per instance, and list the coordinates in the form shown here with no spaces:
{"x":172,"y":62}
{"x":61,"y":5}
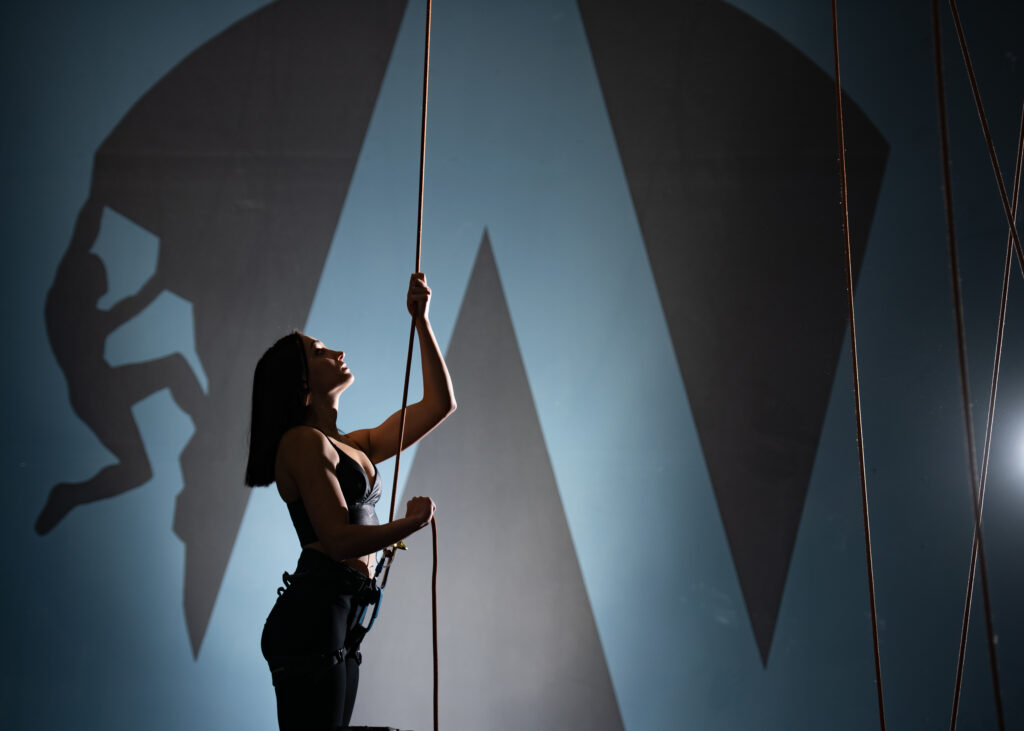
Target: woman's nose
{"x":341,"y":355}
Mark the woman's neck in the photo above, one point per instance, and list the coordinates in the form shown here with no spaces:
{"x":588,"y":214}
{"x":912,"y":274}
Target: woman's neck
{"x":323,"y":414}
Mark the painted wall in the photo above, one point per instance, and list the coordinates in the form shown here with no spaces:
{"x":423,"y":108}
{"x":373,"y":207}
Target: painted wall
{"x":143,"y":610}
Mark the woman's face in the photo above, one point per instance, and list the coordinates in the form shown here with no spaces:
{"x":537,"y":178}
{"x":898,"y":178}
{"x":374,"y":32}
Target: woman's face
{"x":328,"y":373}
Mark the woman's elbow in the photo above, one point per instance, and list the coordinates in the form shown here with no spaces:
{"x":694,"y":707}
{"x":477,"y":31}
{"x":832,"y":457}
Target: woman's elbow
{"x":446,"y":410}
{"x":442,"y":408}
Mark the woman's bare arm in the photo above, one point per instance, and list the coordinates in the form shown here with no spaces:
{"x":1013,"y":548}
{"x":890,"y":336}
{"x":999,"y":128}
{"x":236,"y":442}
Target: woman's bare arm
{"x":438,"y":402}
{"x":310,"y":460}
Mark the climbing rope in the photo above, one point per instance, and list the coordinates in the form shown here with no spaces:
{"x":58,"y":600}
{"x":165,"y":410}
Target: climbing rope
{"x":977,"y":543}
{"x":976,"y":93}
{"x":977,"y":490}
{"x":856,"y":370}
{"x":947,"y":189}
{"x":390,"y":553}
{"x":977,"y":484}
{"x":419,"y":254}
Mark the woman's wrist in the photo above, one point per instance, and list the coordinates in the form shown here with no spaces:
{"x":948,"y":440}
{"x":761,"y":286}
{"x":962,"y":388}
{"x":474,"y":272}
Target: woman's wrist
{"x":407,"y":526}
{"x":423,"y":321}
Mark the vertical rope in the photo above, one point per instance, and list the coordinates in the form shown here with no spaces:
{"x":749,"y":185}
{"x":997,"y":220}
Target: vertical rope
{"x":978,"y":546}
{"x":433,"y":606}
{"x":856,"y":370}
{"x":1007,"y":265}
{"x":983,"y":118}
{"x":950,"y":236}
{"x":423,"y":140}
{"x":408,"y":359}
{"x":419,"y":257}
{"x":401,"y":423}
{"x":977,"y":543}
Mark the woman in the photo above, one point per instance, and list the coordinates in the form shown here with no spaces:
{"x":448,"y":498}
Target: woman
{"x":329,"y":482}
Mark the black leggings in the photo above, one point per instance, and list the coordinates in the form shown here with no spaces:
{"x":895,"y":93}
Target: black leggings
{"x":313,"y":658}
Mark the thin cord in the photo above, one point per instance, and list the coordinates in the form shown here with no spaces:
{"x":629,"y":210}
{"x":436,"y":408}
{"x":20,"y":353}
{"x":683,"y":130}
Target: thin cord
{"x":985,"y":131}
{"x":408,"y":359}
{"x":856,"y":370}
{"x":433,"y":607}
{"x":965,"y":392}
{"x":989,"y":623}
{"x":419,"y":256}
{"x":1002,"y":312}
{"x":977,"y":543}
{"x":423,"y":141}
{"x":950,"y":237}
{"x":401,"y":423}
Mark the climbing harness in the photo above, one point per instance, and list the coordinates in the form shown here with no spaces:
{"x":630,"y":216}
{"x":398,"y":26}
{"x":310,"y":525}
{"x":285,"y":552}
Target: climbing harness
{"x":365,"y":594}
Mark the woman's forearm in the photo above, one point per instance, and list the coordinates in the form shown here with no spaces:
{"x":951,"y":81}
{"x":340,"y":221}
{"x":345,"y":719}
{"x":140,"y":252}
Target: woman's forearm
{"x":354,"y":541}
{"x":438,"y":392}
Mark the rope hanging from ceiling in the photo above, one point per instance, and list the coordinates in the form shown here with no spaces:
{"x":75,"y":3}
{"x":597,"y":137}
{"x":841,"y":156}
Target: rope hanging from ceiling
{"x":977,"y":481}
{"x":390,"y":552}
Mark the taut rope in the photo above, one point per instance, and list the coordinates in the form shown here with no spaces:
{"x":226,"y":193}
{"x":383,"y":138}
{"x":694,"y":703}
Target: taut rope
{"x":1013,"y":243}
{"x":856,"y":370}
{"x":408,"y":361}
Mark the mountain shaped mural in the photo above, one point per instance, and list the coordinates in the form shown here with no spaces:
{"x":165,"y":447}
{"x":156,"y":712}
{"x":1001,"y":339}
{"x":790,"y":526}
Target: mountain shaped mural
{"x":519,"y":648}
{"x":727,"y":136}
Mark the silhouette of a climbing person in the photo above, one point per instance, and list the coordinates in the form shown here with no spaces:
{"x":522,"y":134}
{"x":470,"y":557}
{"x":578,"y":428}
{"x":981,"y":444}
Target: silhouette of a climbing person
{"x":102,"y":395}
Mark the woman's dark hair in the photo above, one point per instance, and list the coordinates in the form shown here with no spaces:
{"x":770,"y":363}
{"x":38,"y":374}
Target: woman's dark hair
{"x":279,"y":388}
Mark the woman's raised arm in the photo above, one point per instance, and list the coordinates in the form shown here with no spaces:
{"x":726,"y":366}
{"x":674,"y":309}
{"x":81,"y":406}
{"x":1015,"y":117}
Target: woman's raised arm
{"x":438,"y":402}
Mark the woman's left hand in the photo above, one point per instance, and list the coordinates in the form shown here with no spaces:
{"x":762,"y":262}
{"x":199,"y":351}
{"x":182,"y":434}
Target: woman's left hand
{"x":418,"y":299}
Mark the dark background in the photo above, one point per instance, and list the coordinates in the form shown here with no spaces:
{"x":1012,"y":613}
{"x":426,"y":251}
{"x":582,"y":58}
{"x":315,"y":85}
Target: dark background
{"x":525,"y":145}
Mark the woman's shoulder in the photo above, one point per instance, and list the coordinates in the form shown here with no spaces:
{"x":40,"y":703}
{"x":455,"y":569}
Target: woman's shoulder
{"x":303,"y":441}
{"x":304,"y":455}
{"x":304,"y":451}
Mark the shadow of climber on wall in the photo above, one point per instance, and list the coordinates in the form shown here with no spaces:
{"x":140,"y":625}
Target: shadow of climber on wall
{"x":238,"y":160}
{"x":102,"y":395}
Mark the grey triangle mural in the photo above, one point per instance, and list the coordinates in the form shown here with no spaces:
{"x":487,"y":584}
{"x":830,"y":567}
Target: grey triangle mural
{"x":731,"y":164}
{"x":239,"y":160}
{"x":519,"y":648}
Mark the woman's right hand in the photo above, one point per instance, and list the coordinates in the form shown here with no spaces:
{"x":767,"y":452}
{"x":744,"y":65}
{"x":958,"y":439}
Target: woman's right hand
{"x":418,"y":299}
{"x":421,"y":510}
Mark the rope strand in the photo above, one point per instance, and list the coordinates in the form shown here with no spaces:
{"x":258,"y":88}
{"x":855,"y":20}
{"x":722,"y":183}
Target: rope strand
{"x":423,"y":141}
{"x":986,"y":454}
{"x":950,"y":237}
{"x":1007,"y":265}
{"x":978,"y":546}
{"x":977,"y":542}
{"x":856,"y":370}
{"x":408,"y":359}
{"x":401,"y":422}
{"x":433,"y":606}
{"x":983,"y":118}
{"x":419,"y":257}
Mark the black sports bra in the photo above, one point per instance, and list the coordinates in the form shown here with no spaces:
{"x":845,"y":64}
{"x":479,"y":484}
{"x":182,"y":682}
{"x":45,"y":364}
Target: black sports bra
{"x":360,"y":493}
